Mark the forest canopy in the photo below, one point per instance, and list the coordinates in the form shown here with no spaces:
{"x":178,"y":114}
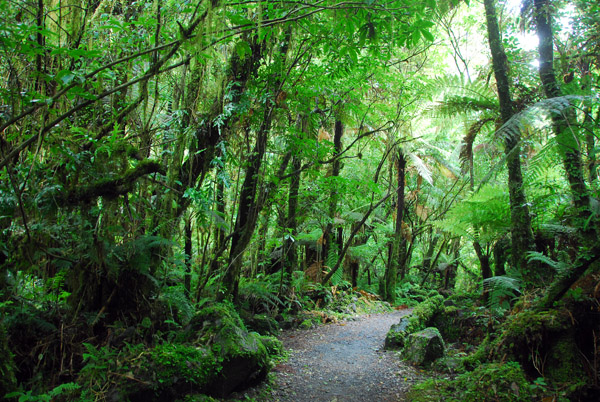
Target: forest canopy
{"x":166,"y":161}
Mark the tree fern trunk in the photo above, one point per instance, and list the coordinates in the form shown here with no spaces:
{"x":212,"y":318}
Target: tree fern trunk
{"x":521,"y":233}
{"x":564,"y":125}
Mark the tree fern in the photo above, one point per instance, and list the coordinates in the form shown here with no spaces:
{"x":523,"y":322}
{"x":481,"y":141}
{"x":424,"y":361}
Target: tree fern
{"x":260,"y":295}
{"x":456,"y":95}
{"x":502,"y":290}
{"x":332,"y":258}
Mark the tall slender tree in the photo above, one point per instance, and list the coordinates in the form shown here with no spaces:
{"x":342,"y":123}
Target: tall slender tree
{"x":521,"y":232}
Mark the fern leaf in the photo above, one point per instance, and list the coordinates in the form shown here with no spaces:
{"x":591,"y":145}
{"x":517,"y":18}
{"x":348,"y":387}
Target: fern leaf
{"x":559,"y":266}
{"x":422,"y":169}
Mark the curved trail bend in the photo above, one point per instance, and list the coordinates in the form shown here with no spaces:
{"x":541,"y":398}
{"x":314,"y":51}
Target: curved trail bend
{"x":343,"y":362}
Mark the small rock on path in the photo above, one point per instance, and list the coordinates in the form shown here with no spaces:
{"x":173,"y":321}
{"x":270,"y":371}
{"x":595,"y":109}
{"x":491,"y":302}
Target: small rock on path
{"x":342,"y":362}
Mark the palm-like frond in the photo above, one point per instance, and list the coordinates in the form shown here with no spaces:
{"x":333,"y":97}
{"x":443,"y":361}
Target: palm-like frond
{"x":454,"y":95}
{"x":559,"y":266}
{"x":422,"y":169}
{"x":502,"y":289}
{"x":537,"y":115}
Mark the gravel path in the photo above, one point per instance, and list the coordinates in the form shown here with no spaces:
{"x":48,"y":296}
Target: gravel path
{"x":342,"y":362}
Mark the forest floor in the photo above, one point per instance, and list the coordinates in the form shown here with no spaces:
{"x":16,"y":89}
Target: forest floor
{"x":342,"y":361}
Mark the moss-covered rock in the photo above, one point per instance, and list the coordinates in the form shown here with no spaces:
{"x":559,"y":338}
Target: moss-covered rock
{"x":397,"y":335}
{"x":448,"y":321}
{"x":243,"y":357}
{"x":420,"y":318}
{"x":528,"y":333}
{"x":177,"y":365}
{"x":425,"y":346}
{"x":423,"y":313}
{"x":213,"y":356}
{"x":488,"y":382}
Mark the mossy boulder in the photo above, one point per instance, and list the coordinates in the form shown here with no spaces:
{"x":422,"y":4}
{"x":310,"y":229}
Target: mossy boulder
{"x":177,"y":369}
{"x":424,"y":312}
{"x":530,"y":331}
{"x":242,"y":356}
{"x":449,"y":321}
{"x":397,"y":334}
{"x":425,"y":346}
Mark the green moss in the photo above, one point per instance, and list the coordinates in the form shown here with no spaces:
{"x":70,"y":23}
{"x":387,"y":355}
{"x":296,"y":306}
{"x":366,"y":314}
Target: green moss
{"x":273,"y":345}
{"x":424,"y":313}
{"x":563,"y":364}
{"x":446,"y":320}
{"x":307,"y":324}
{"x":488,"y":382}
{"x":528,"y":330}
{"x":182,"y":363}
{"x":420,"y":318}
{"x":424,"y":347}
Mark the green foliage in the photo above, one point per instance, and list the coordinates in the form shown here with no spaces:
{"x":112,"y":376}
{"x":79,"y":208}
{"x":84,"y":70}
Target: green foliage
{"x":260,"y":295}
{"x":484,"y":215}
{"x":488,"y":382}
{"x":66,"y":390}
{"x":179,"y":304}
{"x":502,"y":291}
{"x":424,"y":312}
{"x":560,"y":267}
{"x":173,"y":363}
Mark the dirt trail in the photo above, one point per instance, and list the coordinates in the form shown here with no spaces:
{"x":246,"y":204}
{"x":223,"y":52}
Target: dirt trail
{"x":342,"y":362}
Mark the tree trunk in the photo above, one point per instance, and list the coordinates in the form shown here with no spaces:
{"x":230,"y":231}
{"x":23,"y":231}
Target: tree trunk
{"x":289,"y":249}
{"x":486,"y":270}
{"x":564,"y":124}
{"x":395,"y":258}
{"x":564,"y":127}
{"x":521,"y":233}
{"x":188,"y":254}
{"x":247,"y":212}
{"x":333,"y":198}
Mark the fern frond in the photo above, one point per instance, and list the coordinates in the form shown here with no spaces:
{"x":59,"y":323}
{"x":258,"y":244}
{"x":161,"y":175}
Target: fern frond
{"x":455,"y":95}
{"x":422,"y":169}
{"x":259,"y":295}
{"x":502,"y":290}
{"x":559,"y":266}
{"x":537,"y":115}
{"x":505,"y":282}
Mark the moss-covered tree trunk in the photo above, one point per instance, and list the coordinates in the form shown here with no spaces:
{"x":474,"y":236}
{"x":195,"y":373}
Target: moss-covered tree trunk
{"x":521,"y":233}
{"x":247,"y":212}
{"x":396,"y":258}
{"x":290,"y":257}
{"x":564,"y":123}
{"x":188,"y":254}
{"x":328,"y":237}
